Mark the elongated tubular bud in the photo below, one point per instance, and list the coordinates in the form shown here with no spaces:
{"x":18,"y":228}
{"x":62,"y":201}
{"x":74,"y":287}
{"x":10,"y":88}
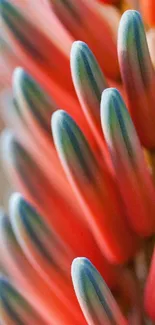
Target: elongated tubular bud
{"x":131,"y":172}
{"x":28,"y":280}
{"x":34,"y":104}
{"x":89,"y":82}
{"x":14,"y":308}
{"x":34,"y":109}
{"x":37,"y":238}
{"x":22,"y":274}
{"x":43,"y":248}
{"x":138,"y":75}
{"x":95,"y":299}
{"x":94,"y":188}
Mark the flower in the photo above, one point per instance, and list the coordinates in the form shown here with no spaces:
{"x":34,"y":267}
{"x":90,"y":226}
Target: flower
{"x":77,"y":244}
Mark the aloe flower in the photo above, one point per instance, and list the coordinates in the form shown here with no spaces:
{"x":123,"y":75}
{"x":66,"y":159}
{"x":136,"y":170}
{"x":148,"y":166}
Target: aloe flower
{"x":77,"y":241}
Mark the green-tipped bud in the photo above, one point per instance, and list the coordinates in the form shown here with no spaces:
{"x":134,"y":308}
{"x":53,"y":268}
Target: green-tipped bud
{"x":89,"y":82}
{"x":14,"y":308}
{"x":32,"y":101}
{"x":138,"y":75}
{"x":95,"y":299}
{"x":37,"y":239}
{"x":132,"y":174}
{"x":94,"y":188}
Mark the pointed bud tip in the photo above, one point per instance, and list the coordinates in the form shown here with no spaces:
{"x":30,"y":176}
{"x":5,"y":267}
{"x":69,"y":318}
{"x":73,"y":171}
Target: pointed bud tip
{"x":77,"y":46}
{"x":78,"y":267}
{"x":110,"y":93}
{"x":130,"y":15}
{"x":57,"y":120}
{"x":129,"y":21}
{"x":113,"y":112}
{"x":18,"y":75}
{"x":80,"y":53}
{"x":14,"y":202}
{"x":109,"y":96}
{"x":20,"y":80}
{"x":18,"y":205}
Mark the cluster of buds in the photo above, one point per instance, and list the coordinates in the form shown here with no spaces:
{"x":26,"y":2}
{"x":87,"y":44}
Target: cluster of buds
{"x":77,"y":99}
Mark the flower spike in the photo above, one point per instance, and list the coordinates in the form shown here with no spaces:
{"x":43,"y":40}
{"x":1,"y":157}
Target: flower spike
{"x":131,"y":172}
{"x":95,"y":299}
{"x":138,"y":75}
{"x":87,"y":188}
